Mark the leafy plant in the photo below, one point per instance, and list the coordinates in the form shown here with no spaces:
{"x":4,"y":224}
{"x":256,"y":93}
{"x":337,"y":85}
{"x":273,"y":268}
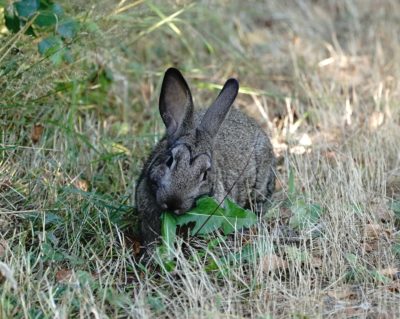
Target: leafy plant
{"x":305,"y":214}
{"x":44,"y":18}
{"x":359,"y":273}
{"x":207,"y":217}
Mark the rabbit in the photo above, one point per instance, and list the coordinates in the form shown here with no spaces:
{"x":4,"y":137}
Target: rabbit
{"x":216,"y":152}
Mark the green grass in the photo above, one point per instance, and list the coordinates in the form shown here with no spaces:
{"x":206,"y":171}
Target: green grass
{"x":320,"y":76}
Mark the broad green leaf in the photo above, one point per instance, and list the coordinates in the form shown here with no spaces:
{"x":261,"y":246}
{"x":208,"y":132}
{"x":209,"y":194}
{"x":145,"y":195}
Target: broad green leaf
{"x":26,"y":8}
{"x":55,"y":8}
{"x":207,"y":217}
{"x":53,"y":48}
{"x":46,"y":19}
{"x":12,"y":22}
{"x":200,"y":215}
{"x":237,"y":217}
{"x":204,"y":224}
{"x":68,"y":28}
{"x":168,"y":228}
{"x":50,"y":45}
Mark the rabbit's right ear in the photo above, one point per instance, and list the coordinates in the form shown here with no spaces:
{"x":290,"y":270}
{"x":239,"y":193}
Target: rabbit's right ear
{"x":176,"y":104}
{"x":217,"y":112}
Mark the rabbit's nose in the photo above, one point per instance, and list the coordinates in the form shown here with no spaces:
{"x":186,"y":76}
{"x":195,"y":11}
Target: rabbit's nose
{"x":173,"y":203}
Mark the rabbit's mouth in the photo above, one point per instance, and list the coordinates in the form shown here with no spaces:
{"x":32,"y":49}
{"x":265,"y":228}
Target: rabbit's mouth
{"x":179,"y":211}
{"x":176,"y":206}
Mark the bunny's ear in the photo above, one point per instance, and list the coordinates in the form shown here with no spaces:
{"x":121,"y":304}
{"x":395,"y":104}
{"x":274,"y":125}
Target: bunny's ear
{"x":176,"y":105}
{"x":217,"y":112}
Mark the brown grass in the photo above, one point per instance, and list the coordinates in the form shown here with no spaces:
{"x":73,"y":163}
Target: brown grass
{"x":320,"y":76}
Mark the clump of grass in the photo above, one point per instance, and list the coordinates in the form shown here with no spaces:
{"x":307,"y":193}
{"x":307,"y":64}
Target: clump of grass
{"x":321,"y":77}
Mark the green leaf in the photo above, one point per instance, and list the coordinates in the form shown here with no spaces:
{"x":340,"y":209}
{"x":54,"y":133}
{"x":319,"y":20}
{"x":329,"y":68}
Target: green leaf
{"x":304,"y":215}
{"x":207,"y":217}
{"x":237,"y":217}
{"x":396,"y":249}
{"x":12,"y":22}
{"x":26,"y":8}
{"x":53,"y":47}
{"x":168,"y":229}
{"x":165,"y":257}
{"x":205,"y":207}
{"x":377,"y":276}
{"x":46,"y":19}
{"x":68,"y":28}
{"x":51,"y":254}
{"x":55,"y":8}
{"x":248,"y":253}
{"x":52,"y":219}
{"x":50,"y":45}
{"x":395,"y":207}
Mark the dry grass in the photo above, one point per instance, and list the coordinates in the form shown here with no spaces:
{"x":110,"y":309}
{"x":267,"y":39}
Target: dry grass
{"x":321,"y":76}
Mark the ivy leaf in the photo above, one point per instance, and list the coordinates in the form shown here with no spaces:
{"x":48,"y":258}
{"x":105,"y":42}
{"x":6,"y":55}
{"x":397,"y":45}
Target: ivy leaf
{"x":27,"y":8}
{"x":46,"y":19}
{"x":12,"y":22}
{"x":50,"y":45}
{"x":68,"y":28}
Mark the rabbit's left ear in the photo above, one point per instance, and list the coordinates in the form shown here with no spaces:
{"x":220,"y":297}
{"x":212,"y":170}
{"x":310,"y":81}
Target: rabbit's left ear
{"x":176,"y":105}
{"x":217,"y":112}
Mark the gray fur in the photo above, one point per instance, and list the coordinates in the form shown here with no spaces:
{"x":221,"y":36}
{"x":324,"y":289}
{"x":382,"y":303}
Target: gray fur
{"x":229,"y":146}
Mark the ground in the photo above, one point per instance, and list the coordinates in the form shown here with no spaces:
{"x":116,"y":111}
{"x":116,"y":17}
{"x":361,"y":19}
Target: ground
{"x":321,"y":77}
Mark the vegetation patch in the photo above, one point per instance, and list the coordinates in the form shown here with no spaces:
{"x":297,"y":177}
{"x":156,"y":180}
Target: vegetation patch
{"x":79,"y":87}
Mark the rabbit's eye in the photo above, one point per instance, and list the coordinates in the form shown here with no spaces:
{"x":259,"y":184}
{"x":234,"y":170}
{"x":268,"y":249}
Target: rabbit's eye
{"x":203,"y":176}
{"x":169,"y":161}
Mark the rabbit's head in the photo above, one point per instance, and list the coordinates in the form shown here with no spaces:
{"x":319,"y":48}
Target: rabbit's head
{"x":182,"y":169}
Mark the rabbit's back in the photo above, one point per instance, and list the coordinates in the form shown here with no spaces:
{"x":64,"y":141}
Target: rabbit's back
{"x":243,"y":157}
